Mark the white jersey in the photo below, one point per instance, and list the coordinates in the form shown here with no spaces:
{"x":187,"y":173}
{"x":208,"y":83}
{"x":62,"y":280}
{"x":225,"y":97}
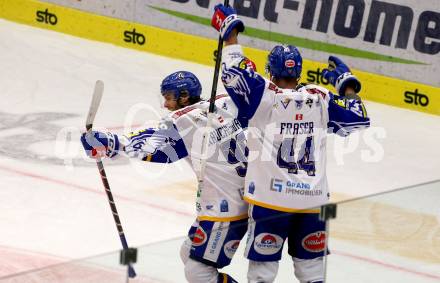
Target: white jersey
{"x":286,"y":135}
{"x":180,"y":135}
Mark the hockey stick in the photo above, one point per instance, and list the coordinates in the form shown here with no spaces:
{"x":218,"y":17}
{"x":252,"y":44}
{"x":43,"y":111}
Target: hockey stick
{"x":211,"y":105}
{"x":96,"y":100}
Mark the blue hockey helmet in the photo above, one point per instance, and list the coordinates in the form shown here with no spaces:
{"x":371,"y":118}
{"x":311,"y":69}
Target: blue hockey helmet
{"x":181,"y":82}
{"x":284,"y":61}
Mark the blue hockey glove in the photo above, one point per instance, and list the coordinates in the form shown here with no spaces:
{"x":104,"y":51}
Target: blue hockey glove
{"x":339,"y":75}
{"x":99,"y":144}
{"x":225,"y":19}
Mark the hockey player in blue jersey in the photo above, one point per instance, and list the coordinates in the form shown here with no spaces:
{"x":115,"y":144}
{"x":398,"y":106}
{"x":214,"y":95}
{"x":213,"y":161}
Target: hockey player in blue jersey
{"x":221,"y":212}
{"x":288,"y":123}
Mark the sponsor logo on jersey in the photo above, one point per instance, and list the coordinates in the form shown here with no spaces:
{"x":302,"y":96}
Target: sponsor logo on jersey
{"x":416,"y":98}
{"x":314,"y":242}
{"x":231,"y":247}
{"x":291,"y":187}
{"x":309,"y":102}
{"x":46,"y":17}
{"x":276,"y":185}
{"x":200,"y":237}
{"x":217,"y":237}
{"x":285,"y":102}
{"x":251,"y":188}
{"x":220,"y":119}
{"x":268,"y":244}
{"x":297,"y":185}
{"x":289,"y":63}
{"x":224,"y":206}
{"x":301,"y":189}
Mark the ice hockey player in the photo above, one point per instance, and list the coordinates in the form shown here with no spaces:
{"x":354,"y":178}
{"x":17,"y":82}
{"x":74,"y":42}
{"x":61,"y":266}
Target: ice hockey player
{"x":288,"y":124}
{"x":221,"y":212}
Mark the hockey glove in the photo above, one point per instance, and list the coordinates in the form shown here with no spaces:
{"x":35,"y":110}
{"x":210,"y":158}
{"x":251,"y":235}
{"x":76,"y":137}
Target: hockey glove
{"x":99,"y":144}
{"x":225,"y":19}
{"x":339,"y":75}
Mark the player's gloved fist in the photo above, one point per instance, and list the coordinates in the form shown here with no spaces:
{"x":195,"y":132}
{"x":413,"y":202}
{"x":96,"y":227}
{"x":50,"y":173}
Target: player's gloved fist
{"x":99,"y":144}
{"x":339,"y":75}
{"x":225,"y":19}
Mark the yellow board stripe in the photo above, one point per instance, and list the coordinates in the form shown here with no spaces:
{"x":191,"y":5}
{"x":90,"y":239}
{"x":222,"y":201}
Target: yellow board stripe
{"x":222,"y":219}
{"x":280,"y":208}
{"x":173,"y":44}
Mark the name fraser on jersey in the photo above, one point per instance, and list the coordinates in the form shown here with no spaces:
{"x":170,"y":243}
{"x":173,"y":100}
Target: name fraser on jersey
{"x":296,"y":128}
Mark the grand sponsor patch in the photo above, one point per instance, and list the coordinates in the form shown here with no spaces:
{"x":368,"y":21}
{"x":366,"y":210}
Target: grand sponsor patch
{"x":231,"y":247}
{"x":314,"y":242}
{"x":200,"y":237}
{"x":268,"y":244}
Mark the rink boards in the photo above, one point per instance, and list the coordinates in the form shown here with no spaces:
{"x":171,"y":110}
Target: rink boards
{"x":172,"y":44}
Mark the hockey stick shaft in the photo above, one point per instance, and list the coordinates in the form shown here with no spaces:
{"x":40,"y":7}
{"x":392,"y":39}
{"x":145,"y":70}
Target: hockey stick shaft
{"x":218,"y":60}
{"x":96,"y":100}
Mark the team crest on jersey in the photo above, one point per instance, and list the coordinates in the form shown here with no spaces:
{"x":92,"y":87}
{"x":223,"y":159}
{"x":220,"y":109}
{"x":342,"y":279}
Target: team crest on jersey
{"x":299,"y":104}
{"x":314,"y":242}
{"x":286,"y":102}
{"x":200,"y":237}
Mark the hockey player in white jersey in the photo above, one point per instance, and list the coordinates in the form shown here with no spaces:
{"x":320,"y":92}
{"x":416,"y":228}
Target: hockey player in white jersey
{"x":288,"y":123}
{"x":221,"y":212}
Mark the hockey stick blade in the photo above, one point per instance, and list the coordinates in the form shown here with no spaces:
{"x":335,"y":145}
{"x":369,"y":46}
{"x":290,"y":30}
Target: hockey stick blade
{"x":94,"y":105}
